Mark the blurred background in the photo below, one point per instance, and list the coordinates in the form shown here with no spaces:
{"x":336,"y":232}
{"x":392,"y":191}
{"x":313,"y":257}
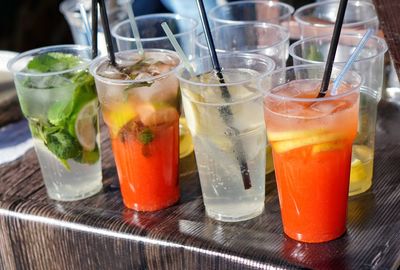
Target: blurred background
{"x":28,"y":24}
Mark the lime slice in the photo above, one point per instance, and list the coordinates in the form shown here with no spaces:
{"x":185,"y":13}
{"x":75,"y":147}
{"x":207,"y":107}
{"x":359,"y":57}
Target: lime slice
{"x":85,"y":129}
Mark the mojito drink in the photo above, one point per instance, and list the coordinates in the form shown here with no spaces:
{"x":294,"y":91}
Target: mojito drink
{"x":311,"y":143}
{"x":58,"y":97}
{"x":140,"y":104}
{"x":219,"y":128}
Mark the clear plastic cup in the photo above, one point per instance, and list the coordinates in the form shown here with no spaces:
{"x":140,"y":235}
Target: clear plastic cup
{"x":70,"y":9}
{"x":142,"y":115}
{"x":153,"y":36}
{"x":251,"y":11}
{"x":319,"y":19}
{"x":62,"y":109}
{"x":311,"y":141}
{"x":226,"y":123}
{"x":370,"y":65}
{"x":249,"y":37}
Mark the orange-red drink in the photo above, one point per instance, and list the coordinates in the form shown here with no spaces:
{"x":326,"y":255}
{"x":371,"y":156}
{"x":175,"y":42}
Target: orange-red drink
{"x":311,"y":143}
{"x":140,"y":105}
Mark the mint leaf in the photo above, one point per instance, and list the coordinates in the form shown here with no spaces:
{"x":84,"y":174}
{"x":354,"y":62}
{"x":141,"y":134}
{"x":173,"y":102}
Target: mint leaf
{"x":63,"y":145}
{"x":138,"y":84}
{"x":51,"y":62}
{"x":59,"y":112}
{"x":314,"y":54}
{"x":146,"y":136}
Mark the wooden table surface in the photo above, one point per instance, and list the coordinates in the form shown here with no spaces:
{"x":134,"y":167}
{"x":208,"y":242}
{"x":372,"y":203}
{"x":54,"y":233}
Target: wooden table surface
{"x":100,"y":233}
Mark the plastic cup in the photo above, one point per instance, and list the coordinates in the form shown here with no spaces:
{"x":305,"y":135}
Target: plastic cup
{"x":62,"y":109}
{"x":227,"y":132}
{"x":370,"y":64}
{"x":249,"y":37}
{"x":319,"y":18}
{"x":153,"y":36}
{"x":70,"y":9}
{"x":251,"y":11}
{"x":142,"y":116}
{"x":311,"y":141}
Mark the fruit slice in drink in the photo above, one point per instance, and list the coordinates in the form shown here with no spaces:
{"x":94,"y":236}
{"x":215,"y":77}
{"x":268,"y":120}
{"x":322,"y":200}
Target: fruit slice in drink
{"x":139,"y":101}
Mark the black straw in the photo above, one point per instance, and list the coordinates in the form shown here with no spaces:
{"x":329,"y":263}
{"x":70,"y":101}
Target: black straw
{"x":225,"y":111}
{"x":107,"y":33}
{"x":94,"y":29}
{"x":332,"y":50}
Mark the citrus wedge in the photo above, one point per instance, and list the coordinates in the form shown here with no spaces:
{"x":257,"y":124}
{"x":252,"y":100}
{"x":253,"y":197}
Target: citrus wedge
{"x":284,"y":146}
{"x":358,"y":172}
{"x":329,"y":146}
{"x":85,"y":125}
{"x":294,"y":134}
{"x":185,"y":139}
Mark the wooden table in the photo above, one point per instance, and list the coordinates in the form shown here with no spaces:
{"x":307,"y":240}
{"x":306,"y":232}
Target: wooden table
{"x":100,"y":233}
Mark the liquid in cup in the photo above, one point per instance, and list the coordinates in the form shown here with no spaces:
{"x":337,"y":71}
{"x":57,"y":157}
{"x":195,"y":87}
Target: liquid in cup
{"x":140,"y":105}
{"x":218,"y":126}
{"x":311,"y":143}
{"x":370,"y":64}
{"x":58,"y":97}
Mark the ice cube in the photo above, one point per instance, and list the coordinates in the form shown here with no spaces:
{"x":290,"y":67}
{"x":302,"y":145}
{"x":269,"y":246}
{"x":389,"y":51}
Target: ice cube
{"x":109,"y":71}
{"x":328,"y":107}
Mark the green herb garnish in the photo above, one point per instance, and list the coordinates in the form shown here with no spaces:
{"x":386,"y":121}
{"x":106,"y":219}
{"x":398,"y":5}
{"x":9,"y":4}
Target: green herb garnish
{"x":52,"y":62}
{"x":58,"y":130}
{"x":146,"y":136}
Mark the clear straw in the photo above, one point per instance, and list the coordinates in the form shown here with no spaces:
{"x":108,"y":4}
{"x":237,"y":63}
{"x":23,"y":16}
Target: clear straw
{"x":177,"y":48}
{"x":351,"y":60}
{"x":134,"y":27}
{"x":84,"y":16}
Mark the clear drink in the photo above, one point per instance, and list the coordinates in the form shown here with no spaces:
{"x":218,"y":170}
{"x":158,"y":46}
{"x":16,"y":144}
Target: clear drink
{"x":58,"y":97}
{"x":226,"y":133}
{"x":140,"y":104}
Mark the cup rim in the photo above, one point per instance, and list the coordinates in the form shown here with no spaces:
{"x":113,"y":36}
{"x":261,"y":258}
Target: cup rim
{"x":100,"y":59}
{"x":309,"y":67}
{"x":214,"y":18}
{"x":380,"y":42}
{"x":347,"y":25}
{"x":258,"y":93}
{"x":47,"y":49}
{"x":257,"y":24}
{"x":66,"y":5}
{"x":155,"y":15}
{"x":267,"y":59}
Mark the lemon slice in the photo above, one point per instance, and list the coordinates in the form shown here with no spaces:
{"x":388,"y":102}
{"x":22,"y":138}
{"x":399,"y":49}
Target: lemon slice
{"x":269,"y":159}
{"x":294,"y":134}
{"x":284,"y":146}
{"x":358,"y":172}
{"x":118,"y":116}
{"x":324,"y":147}
{"x":85,"y":128}
{"x":185,"y":139}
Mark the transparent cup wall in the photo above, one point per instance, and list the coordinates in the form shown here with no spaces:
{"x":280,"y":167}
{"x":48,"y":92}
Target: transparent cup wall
{"x":153,"y":36}
{"x":370,"y":65}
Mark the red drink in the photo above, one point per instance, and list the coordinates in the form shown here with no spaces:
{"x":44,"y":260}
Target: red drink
{"x":311,"y":143}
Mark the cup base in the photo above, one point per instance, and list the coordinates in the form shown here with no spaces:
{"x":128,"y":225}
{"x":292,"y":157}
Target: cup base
{"x":151,"y":207}
{"x":224,"y":218}
{"x":60,"y":197}
{"x":315,"y":238}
